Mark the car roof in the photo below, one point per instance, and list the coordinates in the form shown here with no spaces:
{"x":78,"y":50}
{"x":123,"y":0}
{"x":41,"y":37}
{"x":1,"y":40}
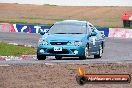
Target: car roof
{"x":76,"y":22}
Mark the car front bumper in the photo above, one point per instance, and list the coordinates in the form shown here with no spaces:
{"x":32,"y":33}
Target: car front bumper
{"x":48,"y":50}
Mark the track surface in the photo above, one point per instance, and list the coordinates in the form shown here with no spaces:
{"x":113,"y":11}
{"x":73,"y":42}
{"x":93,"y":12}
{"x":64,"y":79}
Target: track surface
{"x":117,"y":50}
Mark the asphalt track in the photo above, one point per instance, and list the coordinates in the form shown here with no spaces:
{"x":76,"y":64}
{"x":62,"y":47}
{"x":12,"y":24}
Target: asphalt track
{"x":117,"y":50}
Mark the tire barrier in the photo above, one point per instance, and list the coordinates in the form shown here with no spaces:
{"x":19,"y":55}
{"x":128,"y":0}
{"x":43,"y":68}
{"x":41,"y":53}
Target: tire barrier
{"x":120,"y":32}
{"x":104,"y":30}
{"x":29,"y":28}
{"x":109,"y":32}
{"x":36,"y":28}
{"x":7,"y":28}
{"x":127,"y":19}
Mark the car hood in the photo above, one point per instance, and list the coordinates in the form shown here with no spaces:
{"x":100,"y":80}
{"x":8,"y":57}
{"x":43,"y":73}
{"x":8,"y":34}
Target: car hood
{"x":63,"y":37}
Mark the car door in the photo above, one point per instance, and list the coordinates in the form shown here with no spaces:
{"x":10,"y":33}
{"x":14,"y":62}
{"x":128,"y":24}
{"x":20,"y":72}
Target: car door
{"x":94,"y":40}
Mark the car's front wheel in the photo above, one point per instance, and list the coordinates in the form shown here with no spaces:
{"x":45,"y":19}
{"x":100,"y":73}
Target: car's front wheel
{"x":41,"y":57}
{"x":86,"y":53}
{"x":58,"y":57}
{"x":100,"y":52}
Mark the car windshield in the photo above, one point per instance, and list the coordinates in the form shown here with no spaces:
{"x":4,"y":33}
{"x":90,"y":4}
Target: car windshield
{"x":67,"y":29}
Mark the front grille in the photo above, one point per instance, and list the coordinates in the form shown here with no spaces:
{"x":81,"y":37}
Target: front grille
{"x":64,"y":51}
{"x":58,"y":43}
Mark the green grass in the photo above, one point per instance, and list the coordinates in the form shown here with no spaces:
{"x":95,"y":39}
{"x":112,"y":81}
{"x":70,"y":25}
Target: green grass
{"x":20,"y":22}
{"x":109,"y":26}
{"x":54,"y":19}
{"x":34,"y":18}
{"x":112,"y":27}
{"x":13,"y":50}
{"x":33,"y":23}
{"x":24,"y":22}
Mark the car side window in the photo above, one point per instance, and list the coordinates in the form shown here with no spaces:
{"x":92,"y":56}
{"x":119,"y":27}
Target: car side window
{"x":92,"y":28}
{"x":88,"y":29}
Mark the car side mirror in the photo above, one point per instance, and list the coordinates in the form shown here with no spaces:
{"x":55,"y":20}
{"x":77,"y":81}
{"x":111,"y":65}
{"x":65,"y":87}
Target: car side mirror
{"x":93,"y":34}
{"x":101,"y":32}
{"x":42,"y":32}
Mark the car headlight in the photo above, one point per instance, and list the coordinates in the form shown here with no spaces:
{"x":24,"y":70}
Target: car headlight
{"x":76,"y":43}
{"x":42,"y":42}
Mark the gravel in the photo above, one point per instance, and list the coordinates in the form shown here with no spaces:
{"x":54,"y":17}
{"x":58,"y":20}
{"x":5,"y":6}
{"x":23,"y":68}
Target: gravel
{"x":58,"y":76}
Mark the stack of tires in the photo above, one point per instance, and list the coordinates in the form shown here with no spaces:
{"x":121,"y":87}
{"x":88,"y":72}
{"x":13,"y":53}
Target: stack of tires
{"x":127,"y":19}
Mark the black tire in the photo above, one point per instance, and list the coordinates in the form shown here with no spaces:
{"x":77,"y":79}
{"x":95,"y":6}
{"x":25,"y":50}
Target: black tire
{"x":58,"y":57}
{"x":41,"y":57}
{"x":97,"y":56}
{"x":82,"y":58}
{"x":100,"y":53}
{"x":86,"y":53}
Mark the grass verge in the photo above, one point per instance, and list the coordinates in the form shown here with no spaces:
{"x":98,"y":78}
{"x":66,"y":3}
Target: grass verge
{"x":13,"y":50}
{"x":33,"y":23}
{"x":20,"y":22}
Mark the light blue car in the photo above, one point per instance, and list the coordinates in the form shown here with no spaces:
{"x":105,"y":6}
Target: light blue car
{"x":71,"y":38}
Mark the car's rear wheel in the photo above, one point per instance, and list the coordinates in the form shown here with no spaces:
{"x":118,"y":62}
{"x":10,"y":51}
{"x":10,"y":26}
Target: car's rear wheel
{"x":100,"y":52}
{"x":41,"y":57}
{"x":58,"y":57}
{"x":86,"y":53}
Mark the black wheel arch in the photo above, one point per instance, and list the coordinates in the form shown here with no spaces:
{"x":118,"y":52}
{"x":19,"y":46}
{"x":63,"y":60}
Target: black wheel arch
{"x":102,"y":44}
